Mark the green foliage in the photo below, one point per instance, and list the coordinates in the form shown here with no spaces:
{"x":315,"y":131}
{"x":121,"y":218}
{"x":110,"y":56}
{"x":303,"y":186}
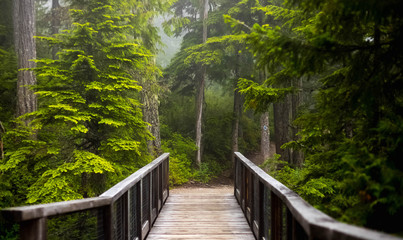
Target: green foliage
{"x":217,"y":133}
{"x":250,"y":140}
{"x":352,"y":135}
{"x":176,"y":114}
{"x":61,"y":183}
{"x":88,"y":131}
{"x":8,"y":77}
{"x":225,"y":62}
{"x":181,"y":151}
{"x":8,"y":230}
{"x":259,"y":97}
{"x":209,"y":169}
{"x":74,"y":226}
{"x":8,"y":64}
{"x":17,"y":170}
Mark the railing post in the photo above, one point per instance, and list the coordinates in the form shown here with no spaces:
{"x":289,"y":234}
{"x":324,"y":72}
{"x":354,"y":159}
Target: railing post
{"x":152,"y":197}
{"x":167,"y":176}
{"x":138,"y":210}
{"x":107,"y":222}
{"x":125,"y":215}
{"x":160,"y":188}
{"x":276,"y":217}
{"x":291,"y":234}
{"x":140,"y":206}
{"x":235,"y":176}
{"x":251,"y":198}
{"x":243,"y":187}
{"x":33,"y":229}
{"x":257,"y":207}
{"x":262,"y":226}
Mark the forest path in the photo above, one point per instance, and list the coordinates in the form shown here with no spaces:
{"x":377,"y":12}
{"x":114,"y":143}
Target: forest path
{"x":201,"y":213}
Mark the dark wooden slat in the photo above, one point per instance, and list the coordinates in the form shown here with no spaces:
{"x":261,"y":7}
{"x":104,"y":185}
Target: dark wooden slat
{"x":107,"y":221}
{"x":33,"y":229}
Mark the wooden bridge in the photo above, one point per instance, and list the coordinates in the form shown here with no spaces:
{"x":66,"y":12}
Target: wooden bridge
{"x":140,"y":207}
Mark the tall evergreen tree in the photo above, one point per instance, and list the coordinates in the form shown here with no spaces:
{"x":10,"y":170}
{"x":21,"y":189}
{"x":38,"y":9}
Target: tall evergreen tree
{"x":147,"y":33}
{"x":352,"y":135}
{"x":192,"y":17}
{"x":200,"y":88}
{"x":89,"y":121}
{"x":24,"y":32}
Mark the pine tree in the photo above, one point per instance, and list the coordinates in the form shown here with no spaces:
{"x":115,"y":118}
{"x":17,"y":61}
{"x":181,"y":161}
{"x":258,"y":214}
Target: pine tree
{"x":24,"y":32}
{"x":147,"y":33}
{"x":89,"y":121}
{"x":352,"y":135}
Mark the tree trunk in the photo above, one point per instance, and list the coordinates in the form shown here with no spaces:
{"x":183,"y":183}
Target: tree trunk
{"x":265,"y":136}
{"x":235,"y":123}
{"x":281,"y":127}
{"x":237,"y":111}
{"x":55,"y":23}
{"x":264,"y":126}
{"x":205,"y":16}
{"x":297,"y":156}
{"x":200,"y":93}
{"x":150,"y":102}
{"x":199,"y":115}
{"x":24,"y":31}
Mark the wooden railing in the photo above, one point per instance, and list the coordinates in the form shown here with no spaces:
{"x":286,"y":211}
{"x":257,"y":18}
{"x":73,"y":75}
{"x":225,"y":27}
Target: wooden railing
{"x":125,"y":211}
{"x":275,"y":212}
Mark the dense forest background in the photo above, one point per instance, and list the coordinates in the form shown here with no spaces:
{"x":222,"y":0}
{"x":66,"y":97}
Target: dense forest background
{"x":92,"y":90}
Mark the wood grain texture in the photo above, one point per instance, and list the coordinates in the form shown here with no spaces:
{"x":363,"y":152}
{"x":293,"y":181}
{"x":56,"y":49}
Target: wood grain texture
{"x":201,"y":215}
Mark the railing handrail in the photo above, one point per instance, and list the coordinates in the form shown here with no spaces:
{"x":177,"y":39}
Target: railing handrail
{"x":120,"y":188}
{"x":316,"y":224}
{"x":32,"y":218}
{"x":30,"y":212}
{"x":25,"y":213}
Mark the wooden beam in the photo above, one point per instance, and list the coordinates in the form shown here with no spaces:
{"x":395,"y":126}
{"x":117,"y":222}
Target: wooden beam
{"x":26,"y":213}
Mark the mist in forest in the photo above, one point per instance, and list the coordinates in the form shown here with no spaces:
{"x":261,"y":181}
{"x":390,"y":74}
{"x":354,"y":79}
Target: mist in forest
{"x":311,"y":91}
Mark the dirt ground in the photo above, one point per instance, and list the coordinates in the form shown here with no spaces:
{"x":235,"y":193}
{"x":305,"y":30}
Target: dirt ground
{"x":224,"y":183}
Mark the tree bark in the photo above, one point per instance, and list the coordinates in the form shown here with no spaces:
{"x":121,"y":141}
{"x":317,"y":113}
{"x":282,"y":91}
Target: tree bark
{"x":55,"y":23}
{"x":150,"y":102}
{"x":199,"y":115}
{"x":281,"y":127}
{"x":264,"y":126}
{"x":265,"y":136}
{"x":235,"y":123}
{"x":200,"y":92}
{"x":205,"y":17}
{"x":297,"y":156}
{"x":24,"y":31}
{"x":237,"y":110}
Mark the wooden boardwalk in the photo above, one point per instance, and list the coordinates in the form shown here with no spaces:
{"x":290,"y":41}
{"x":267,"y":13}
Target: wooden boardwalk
{"x":201,"y":213}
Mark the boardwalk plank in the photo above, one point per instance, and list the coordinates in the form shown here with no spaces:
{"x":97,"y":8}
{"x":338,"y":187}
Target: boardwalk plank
{"x":198,"y":215}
